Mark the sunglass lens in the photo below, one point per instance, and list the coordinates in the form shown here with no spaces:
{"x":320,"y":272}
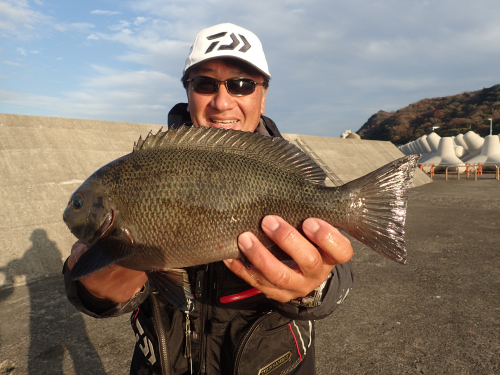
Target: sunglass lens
{"x":240,"y":86}
{"x":204,"y":85}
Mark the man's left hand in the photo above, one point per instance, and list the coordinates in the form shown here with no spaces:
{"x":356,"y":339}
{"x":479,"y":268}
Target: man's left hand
{"x":313,"y":264}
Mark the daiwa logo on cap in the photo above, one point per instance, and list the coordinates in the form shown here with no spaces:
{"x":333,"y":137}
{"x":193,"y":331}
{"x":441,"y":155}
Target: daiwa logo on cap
{"x":231,"y":46}
{"x":228,"y":40}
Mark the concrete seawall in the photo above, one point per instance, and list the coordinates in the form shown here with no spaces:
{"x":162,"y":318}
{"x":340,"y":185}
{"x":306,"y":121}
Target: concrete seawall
{"x":44,"y":159}
{"x":349,"y":159}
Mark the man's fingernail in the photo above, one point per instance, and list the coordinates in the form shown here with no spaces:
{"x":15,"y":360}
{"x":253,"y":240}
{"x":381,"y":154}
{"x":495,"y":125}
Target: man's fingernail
{"x":228,"y":261}
{"x":244,"y":241}
{"x":270,"y":223}
{"x":311,"y":226}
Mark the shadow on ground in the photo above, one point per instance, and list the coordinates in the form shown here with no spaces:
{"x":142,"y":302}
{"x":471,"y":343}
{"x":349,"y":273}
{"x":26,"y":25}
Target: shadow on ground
{"x":53,"y":337}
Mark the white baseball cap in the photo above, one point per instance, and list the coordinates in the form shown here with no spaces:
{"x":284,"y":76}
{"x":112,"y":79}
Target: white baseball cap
{"x":228,"y":40}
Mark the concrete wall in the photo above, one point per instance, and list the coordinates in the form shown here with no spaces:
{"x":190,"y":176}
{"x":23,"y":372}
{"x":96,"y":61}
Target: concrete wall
{"x":43,"y":160}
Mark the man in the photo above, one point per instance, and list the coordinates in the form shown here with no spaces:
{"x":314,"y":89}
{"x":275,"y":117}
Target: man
{"x":251,"y":320}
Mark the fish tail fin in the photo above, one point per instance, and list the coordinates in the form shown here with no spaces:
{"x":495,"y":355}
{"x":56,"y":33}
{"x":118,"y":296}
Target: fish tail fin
{"x":377,"y":207}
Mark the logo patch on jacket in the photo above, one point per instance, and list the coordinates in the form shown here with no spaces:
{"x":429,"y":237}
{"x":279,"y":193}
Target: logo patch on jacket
{"x":144,"y":343}
{"x":275,"y":364}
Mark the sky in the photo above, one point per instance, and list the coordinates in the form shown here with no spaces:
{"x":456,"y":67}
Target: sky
{"x":334,"y":63}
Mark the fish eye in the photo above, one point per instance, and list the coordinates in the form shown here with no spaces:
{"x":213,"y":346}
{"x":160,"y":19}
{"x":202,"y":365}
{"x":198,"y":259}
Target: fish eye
{"x":77,"y":203}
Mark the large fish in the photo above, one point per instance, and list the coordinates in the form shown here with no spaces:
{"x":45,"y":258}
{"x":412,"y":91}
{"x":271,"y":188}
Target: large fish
{"x":182,"y":197}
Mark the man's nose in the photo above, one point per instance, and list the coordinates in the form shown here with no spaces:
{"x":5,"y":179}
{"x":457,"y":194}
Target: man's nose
{"x":222,"y":100}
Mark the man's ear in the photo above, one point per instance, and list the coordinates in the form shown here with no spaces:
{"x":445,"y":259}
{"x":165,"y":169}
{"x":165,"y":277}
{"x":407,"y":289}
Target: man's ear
{"x":187,"y":96}
{"x":263,"y":103}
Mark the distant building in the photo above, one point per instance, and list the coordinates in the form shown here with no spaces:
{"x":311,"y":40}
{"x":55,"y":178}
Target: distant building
{"x":350,"y":135}
{"x":345,"y":134}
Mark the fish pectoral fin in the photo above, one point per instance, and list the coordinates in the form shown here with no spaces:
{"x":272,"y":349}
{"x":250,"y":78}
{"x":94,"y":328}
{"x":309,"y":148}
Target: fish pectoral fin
{"x":102,"y":254}
{"x":243,"y":259}
{"x":123,"y":233}
{"x":173,"y":285}
{"x":278,"y":253}
{"x":273,"y":249}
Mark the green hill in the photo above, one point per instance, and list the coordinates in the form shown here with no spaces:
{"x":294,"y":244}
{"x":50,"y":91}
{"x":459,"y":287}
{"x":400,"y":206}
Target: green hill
{"x":452,"y":114}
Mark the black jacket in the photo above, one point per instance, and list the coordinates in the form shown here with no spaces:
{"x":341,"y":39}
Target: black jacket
{"x":233,"y":331}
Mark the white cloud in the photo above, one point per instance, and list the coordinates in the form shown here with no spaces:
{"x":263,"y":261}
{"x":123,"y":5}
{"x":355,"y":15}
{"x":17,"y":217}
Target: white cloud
{"x":121,"y":26}
{"x":82,"y":27}
{"x":394,"y":84}
{"x":11,"y":63}
{"x":112,"y":79}
{"x":109,"y":94}
{"x":139,"y":20}
{"x":17,"y":18}
{"x":149,"y":45}
{"x":92,"y":37}
{"x":104,"y":12}
{"x":60,"y":28}
{"x":23,"y":52}
{"x":27,"y":99}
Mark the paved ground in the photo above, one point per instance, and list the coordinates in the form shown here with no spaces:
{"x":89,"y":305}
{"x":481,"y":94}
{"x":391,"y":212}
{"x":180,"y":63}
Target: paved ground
{"x":440,"y":314}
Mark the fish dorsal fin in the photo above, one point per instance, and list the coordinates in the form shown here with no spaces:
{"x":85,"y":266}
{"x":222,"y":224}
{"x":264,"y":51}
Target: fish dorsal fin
{"x":277,"y":151}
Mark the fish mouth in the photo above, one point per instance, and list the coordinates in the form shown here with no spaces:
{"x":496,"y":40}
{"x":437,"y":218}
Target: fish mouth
{"x":103,"y":229}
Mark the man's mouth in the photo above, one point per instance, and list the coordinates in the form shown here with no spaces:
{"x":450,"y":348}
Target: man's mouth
{"x":224,"y":123}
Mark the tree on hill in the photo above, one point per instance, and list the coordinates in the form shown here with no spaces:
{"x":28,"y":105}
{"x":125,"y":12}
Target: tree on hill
{"x":447,"y":116}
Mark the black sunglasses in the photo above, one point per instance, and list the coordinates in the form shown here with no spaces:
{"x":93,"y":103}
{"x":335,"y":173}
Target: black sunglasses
{"x":234,"y":86}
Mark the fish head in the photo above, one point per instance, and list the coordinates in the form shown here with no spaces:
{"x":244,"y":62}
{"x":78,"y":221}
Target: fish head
{"x":89,"y":215}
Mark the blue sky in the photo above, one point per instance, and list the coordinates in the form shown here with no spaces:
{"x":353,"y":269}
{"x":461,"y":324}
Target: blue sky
{"x":333,"y":63}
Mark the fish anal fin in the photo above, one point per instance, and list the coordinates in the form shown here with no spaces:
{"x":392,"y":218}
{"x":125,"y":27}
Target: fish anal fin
{"x":173,"y":284}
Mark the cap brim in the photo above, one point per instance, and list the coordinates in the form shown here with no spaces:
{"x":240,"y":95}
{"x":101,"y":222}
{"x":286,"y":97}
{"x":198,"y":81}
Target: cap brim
{"x":229,"y":57}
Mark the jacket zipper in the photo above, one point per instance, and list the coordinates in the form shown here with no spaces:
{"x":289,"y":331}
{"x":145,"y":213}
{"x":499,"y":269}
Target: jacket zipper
{"x":187,"y":334}
{"x":205,"y":315}
{"x":162,"y":341}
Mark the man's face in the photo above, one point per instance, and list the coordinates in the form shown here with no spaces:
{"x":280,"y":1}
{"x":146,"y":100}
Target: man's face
{"x":223,"y":110}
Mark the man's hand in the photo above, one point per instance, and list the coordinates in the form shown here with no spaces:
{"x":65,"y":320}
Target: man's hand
{"x":115,"y":283}
{"x":313,"y":265}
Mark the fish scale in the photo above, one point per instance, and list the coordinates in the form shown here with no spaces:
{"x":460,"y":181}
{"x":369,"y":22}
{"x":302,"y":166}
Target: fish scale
{"x":226,"y":210}
{"x":182,"y":197}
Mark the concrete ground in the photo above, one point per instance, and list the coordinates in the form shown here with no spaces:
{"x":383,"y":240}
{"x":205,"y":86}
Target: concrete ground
{"x":440,"y":314}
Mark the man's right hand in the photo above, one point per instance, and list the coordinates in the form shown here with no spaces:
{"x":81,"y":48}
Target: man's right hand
{"x":115,"y":283}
